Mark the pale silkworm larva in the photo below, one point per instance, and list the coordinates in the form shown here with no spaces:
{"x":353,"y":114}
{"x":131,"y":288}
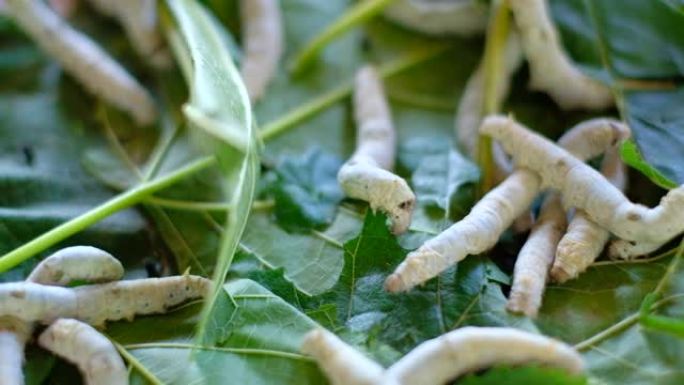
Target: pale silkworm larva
{"x":441,"y":17}
{"x":38,"y":303}
{"x":139,"y":20}
{"x":467,"y":349}
{"x":82,"y":263}
{"x":495,"y":212}
{"x":365,"y":175}
{"x":535,"y":258}
{"x":551,"y":70}
{"x":584,"y":188}
{"x":471,"y":106}
{"x":262,"y":32}
{"x":13,"y":336}
{"x":584,"y":240}
{"x":93,"y":353}
{"x":341,"y":363}
{"x":83,"y":59}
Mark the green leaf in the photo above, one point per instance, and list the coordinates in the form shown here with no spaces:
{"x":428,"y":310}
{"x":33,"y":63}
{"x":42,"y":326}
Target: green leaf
{"x":312,"y":261}
{"x":219,"y":109}
{"x":258,"y":345}
{"x":636,"y":47}
{"x":631,"y":156}
{"x":528,"y":375}
{"x":44,"y":184}
{"x":463,"y":295}
{"x":440,"y":176}
{"x":306,"y":191}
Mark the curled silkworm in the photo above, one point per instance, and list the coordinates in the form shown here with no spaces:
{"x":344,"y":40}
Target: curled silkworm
{"x":262,"y":33}
{"x":79,"y":343}
{"x":535,"y":258}
{"x":494,"y":213}
{"x":467,"y":349}
{"x":84,"y":263}
{"x":584,"y":188}
{"x":341,"y":363}
{"x":38,"y":303}
{"x":83,"y":59}
{"x":550,"y":68}
{"x":457,"y":17}
{"x":584,"y":240}
{"x":365,"y":175}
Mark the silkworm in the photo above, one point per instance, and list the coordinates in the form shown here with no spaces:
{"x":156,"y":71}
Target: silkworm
{"x":262,"y":33}
{"x":365,"y":175}
{"x":584,"y":240}
{"x":83,"y":59}
{"x":467,"y":349}
{"x":84,"y":263}
{"x":494,"y":213}
{"x":551,"y":70}
{"x":441,"y":17}
{"x":79,"y":343}
{"x":535,"y":258}
{"x":584,"y":188}
{"x":341,"y":363}
{"x":32,"y":302}
{"x":140,"y":22}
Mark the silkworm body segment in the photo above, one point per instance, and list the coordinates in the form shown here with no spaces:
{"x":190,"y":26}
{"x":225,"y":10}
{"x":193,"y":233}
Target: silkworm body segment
{"x":365,"y":175}
{"x":93,"y":353}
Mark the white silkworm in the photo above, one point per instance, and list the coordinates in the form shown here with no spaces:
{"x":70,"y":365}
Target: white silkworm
{"x":535,"y":258}
{"x":85,"y":263}
{"x":79,"y":343}
{"x":467,"y":349}
{"x":442,"y":359}
{"x":365,"y":175}
{"x":624,"y":249}
{"x":441,"y":17}
{"x":471,"y":106}
{"x":584,"y":188}
{"x":584,"y":240}
{"x":83,"y":59}
{"x":13,"y":336}
{"x":262,"y":33}
{"x":124,"y":299}
{"x":494,"y":213}
{"x":341,"y":363}
{"x":550,"y":68}
{"x":139,"y":20}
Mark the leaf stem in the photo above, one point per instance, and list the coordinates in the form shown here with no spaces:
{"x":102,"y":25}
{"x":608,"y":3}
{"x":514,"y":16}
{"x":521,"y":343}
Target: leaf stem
{"x":120,"y":202}
{"x":359,"y":13}
{"x":149,"y":376}
{"x":203,"y":206}
{"x":497,"y":33}
{"x":320,"y":103}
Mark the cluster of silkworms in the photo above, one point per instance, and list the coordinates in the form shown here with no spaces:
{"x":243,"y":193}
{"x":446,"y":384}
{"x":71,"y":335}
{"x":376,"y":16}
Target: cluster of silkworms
{"x":69,"y":311}
{"x":556,"y":248}
{"x":103,"y":76}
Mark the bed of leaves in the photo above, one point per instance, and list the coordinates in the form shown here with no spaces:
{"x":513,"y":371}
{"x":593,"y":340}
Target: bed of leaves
{"x":270,"y":217}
